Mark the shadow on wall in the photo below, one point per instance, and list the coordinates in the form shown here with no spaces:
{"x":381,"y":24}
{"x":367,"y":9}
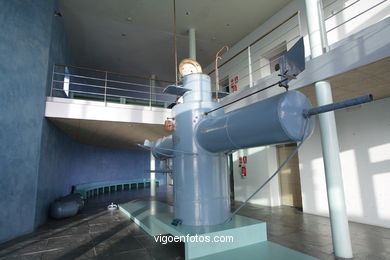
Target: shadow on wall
{"x":259,"y":167}
{"x":365,"y":160}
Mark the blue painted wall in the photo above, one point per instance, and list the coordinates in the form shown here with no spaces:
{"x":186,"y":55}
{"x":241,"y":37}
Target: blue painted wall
{"x":38,"y":162}
{"x":56,"y":147}
{"x":90,"y":163}
{"x":25,"y":38}
{"x":64,"y":163}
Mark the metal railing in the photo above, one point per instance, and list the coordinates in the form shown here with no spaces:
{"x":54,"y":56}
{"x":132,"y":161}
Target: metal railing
{"x":99,"y":85}
{"x":255,"y":60}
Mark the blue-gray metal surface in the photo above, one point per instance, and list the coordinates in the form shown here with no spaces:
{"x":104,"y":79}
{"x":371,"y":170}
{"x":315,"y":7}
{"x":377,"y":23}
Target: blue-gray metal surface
{"x":198,"y":143}
{"x":163,"y":148}
{"x":293,"y":61}
{"x":66,"y":206}
{"x":201,"y":193}
{"x":278,"y":119}
{"x":175,"y":90}
{"x":338,"y":105}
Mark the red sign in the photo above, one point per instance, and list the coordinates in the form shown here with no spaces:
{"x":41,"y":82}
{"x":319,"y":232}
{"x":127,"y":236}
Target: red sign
{"x":233,"y":83}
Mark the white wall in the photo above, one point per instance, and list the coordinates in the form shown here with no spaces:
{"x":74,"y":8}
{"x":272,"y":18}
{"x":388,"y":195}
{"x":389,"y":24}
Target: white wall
{"x":342,"y":18}
{"x":262,"y":163}
{"x":364,"y":136}
{"x":96,"y":110}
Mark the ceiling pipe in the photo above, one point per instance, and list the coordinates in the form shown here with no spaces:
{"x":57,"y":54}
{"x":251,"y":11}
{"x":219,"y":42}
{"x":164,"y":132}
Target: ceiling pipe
{"x":192,"y":43}
{"x":218,"y":57}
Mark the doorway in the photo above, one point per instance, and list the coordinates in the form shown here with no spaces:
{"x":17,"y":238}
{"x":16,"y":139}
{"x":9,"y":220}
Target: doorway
{"x":289,"y":178}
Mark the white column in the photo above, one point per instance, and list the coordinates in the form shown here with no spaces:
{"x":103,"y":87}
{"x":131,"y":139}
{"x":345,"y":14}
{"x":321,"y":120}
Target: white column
{"x":329,"y":139}
{"x":192,"y":43}
{"x":250,"y":67}
{"x":152,"y":176}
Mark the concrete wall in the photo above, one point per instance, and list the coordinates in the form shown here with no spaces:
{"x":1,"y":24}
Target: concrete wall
{"x":364,"y":136}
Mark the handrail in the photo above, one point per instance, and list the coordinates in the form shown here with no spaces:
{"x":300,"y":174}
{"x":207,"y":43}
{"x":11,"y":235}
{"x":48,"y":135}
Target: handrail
{"x":255,"y":41}
{"x":101,"y":87}
{"x":113,"y":73}
{"x":108,"y":80}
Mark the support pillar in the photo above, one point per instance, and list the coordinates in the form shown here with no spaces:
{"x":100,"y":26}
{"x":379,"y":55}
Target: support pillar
{"x":152,"y":176}
{"x":192,"y":43}
{"x":250,"y":67}
{"x":329,"y":139}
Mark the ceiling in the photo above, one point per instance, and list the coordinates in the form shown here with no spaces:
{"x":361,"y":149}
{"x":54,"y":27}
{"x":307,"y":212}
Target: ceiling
{"x":135,"y":36}
{"x":115,"y":135}
{"x":373,"y":78}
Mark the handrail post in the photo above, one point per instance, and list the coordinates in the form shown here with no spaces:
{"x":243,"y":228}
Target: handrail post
{"x":151,"y":89}
{"x":150,"y":93}
{"x":105,"y":89}
{"x":52,"y":81}
{"x":250,"y":67}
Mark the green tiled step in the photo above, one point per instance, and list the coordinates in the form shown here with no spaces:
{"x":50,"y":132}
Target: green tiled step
{"x":249,"y":235}
{"x":263,"y":250}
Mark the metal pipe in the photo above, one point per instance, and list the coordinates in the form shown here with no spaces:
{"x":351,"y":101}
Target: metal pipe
{"x":218,"y":57}
{"x":278,"y":119}
{"x":338,"y":105}
{"x":330,"y":146}
{"x":192,"y":43}
{"x":174,"y":40}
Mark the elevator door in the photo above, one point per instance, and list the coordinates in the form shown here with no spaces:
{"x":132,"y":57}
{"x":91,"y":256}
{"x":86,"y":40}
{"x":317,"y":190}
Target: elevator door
{"x":289,"y":179}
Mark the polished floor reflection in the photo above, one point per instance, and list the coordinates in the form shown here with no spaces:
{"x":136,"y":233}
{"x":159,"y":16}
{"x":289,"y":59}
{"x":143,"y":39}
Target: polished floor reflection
{"x":97,"y":233}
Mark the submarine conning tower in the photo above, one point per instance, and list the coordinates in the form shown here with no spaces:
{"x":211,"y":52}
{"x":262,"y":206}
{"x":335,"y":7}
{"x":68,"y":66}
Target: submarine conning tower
{"x":199,"y":142}
{"x":200,"y":179}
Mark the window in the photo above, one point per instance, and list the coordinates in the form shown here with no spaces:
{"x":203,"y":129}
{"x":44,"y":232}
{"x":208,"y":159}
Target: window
{"x":274,"y":55}
{"x":224,"y":84}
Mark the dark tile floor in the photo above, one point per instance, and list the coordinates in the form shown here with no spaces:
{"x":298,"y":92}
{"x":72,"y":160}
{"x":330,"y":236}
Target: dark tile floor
{"x":97,"y":233}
